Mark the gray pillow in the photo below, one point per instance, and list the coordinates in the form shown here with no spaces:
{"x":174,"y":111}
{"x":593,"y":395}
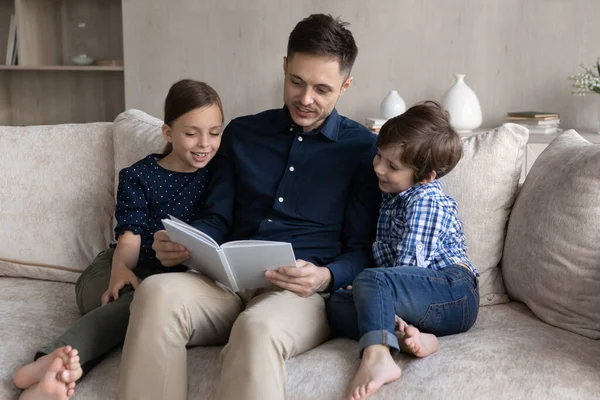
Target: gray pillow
{"x":552,"y":252}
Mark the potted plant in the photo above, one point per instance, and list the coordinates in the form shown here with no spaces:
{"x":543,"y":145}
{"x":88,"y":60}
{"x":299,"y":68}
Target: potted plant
{"x":588,"y":82}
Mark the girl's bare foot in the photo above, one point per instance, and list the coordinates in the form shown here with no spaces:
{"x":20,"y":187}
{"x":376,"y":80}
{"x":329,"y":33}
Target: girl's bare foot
{"x":72,"y":371}
{"x":32,"y":373}
{"x":376,"y":369}
{"x":418,"y":343}
{"x":50,"y":386}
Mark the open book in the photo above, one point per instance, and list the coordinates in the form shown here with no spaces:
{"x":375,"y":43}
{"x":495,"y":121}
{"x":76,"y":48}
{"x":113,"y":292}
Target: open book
{"x":240,"y":264}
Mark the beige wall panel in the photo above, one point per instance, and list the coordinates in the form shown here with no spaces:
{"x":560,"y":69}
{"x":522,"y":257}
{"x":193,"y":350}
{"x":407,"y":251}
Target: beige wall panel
{"x":516,"y":54}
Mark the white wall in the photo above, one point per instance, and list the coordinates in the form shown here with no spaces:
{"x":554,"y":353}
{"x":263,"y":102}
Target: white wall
{"x":516,"y":54}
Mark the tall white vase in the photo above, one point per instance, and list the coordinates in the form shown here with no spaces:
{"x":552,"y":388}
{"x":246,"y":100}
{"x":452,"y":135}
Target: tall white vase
{"x":392,"y":105}
{"x":463,"y":105}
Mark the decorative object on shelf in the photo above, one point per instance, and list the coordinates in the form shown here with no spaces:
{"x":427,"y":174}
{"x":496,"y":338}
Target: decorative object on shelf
{"x":392,"y":105}
{"x":463,"y":105}
{"x":375,"y":124}
{"x":82,"y":58}
{"x":588,"y":82}
{"x":110,"y":63}
{"x":535,"y":121}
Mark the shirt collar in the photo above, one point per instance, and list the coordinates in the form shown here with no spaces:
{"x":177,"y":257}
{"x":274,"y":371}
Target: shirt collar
{"x":329,"y":128}
{"x":434,"y":185}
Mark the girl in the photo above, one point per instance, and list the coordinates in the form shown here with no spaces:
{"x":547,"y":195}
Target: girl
{"x":173,"y":183}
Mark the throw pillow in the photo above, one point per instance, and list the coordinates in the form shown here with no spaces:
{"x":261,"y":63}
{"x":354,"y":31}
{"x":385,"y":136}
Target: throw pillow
{"x":552,"y":253}
{"x":485,"y":184}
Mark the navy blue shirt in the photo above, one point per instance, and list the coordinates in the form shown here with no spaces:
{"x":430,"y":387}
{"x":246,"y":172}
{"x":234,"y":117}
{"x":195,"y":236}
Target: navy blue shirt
{"x":316,"y":190}
{"x":148,"y":193}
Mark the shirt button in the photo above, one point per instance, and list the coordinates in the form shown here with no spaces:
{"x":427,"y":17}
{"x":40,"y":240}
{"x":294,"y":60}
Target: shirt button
{"x":291,"y":169}
{"x":270,"y":220}
{"x":281,"y":199}
{"x":291,"y":128}
{"x":420,"y":247}
{"x":387,"y":212}
{"x":300,"y":138}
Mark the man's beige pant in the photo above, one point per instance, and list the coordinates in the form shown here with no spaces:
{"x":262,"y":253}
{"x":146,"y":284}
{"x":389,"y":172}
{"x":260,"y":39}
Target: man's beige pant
{"x":262,"y":329}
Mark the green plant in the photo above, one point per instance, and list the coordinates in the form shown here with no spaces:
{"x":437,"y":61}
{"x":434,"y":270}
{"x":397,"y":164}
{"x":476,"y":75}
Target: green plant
{"x":588,"y":81}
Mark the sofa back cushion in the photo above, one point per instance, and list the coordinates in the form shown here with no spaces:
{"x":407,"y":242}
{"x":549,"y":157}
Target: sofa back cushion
{"x":484,"y":184}
{"x":56,"y":201}
{"x":136,"y":134}
{"x":552,"y":253}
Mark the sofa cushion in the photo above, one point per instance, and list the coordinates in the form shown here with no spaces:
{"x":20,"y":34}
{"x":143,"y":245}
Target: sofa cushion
{"x":484,"y":184}
{"x":523,"y":359}
{"x":552,"y":254}
{"x":136,"y":134}
{"x":56,"y":201}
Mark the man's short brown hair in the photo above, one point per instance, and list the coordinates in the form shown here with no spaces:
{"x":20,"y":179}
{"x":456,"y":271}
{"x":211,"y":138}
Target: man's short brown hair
{"x":427,"y":140}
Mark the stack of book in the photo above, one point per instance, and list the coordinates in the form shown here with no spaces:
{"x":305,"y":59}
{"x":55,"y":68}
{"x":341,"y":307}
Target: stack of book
{"x":535,"y":121}
{"x":375,"y":124}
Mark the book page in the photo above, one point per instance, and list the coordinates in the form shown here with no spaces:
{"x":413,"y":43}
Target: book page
{"x":205,"y":258}
{"x":193,"y":231}
{"x":248,"y":263}
{"x":248,"y":243}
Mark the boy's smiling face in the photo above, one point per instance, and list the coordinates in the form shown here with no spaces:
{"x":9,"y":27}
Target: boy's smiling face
{"x":394,"y":177}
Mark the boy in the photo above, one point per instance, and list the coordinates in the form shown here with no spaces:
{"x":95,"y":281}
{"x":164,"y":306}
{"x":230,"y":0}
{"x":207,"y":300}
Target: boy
{"x":423,"y":274}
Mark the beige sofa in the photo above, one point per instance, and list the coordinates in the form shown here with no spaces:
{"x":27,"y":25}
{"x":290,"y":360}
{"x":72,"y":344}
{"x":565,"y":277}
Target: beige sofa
{"x":56,"y":208}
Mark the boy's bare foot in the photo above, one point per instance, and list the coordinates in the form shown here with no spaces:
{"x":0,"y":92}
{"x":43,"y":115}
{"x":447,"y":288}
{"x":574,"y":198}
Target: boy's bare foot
{"x":50,"y":386}
{"x":418,"y":343}
{"x":32,"y":373}
{"x":376,"y":369}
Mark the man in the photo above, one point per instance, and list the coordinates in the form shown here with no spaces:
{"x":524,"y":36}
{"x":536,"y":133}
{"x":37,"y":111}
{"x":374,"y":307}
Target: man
{"x":301,"y":174}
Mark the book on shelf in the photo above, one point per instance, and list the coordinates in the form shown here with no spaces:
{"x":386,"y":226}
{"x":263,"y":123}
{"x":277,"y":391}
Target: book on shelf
{"x":533,"y":114}
{"x":375,"y":123}
{"x":533,"y":121}
{"x":240,"y":264}
{"x":11,"y":46}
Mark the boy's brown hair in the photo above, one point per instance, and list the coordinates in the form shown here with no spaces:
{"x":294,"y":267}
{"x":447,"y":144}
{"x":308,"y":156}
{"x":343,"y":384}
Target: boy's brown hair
{"x":428,"y":141}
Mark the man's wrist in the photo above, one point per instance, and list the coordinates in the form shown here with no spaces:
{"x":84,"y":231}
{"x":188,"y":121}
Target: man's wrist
{"x":327,"y":279}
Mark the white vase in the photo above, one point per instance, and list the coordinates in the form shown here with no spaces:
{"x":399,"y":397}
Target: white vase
{"x":392,"y":105}
{"x":463,"y":105}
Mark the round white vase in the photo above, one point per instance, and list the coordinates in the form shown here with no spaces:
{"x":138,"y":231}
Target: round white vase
{"x":463,"y":105}
{"x":392,"y":105}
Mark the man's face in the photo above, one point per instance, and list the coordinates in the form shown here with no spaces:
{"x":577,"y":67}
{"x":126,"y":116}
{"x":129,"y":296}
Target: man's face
{"x":313,"y":85}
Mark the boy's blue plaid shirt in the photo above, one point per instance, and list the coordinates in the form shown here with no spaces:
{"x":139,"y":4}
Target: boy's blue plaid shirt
{"x":420,"y":228}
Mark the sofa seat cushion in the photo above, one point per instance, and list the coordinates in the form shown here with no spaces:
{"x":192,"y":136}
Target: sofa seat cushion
{"x":509,"y":353}
{"x":56,"y":201}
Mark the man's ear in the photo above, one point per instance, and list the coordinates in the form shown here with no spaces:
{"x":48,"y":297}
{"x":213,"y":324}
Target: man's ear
{"x":429,"y":178}
{"x":346,"y":84}
{"x":166,"y":133}
{"x":284,"y":64}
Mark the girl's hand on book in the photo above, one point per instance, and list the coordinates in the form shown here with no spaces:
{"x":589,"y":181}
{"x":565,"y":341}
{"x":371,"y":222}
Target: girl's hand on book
{"x":119,"y":277}
{"x":305,"y":279}
{"x":168,"y":253}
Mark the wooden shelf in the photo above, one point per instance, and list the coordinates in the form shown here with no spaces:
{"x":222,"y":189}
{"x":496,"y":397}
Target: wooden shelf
{"x":46,"y":87}
{"x":60,"y":68}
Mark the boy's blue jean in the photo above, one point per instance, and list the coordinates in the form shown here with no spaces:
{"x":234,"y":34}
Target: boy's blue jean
{"x":441,"y":302}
